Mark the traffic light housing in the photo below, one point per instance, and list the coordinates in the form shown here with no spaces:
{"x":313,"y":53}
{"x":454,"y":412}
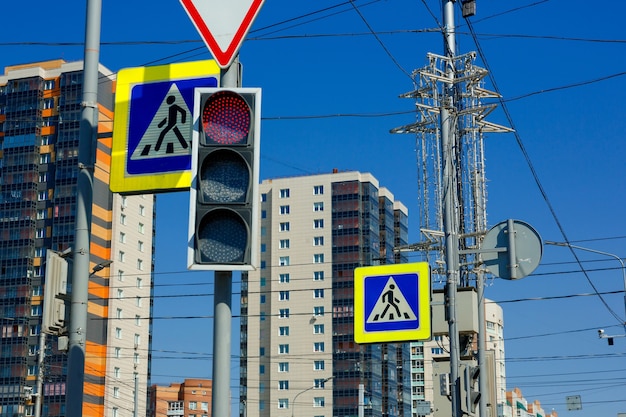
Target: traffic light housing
{"x":55,"y":287}
{"x":223,"y":215}
{"x":472,"y":391}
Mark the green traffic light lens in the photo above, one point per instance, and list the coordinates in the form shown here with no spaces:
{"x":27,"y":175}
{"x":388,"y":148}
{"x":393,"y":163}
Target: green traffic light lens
{"x":226,"y":119}
{"x":222,"y":237}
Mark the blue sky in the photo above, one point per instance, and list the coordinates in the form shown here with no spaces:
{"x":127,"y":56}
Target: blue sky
{"x":560,"y":67}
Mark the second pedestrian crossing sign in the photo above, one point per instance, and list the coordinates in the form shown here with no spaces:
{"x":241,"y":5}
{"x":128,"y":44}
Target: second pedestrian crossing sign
{"x":392,"y":303}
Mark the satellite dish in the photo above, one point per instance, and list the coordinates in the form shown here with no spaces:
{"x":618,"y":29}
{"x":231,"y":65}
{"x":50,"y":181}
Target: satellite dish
{"x":512,"y":249}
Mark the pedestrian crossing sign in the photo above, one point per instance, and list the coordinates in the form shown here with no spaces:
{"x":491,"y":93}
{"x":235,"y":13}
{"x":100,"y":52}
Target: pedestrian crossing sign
{"x":392,"y":303}
{"x":151,"y":149}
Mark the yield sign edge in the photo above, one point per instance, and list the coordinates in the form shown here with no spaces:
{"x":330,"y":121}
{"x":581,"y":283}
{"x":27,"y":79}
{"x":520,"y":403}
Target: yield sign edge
{"x":222,"y":25}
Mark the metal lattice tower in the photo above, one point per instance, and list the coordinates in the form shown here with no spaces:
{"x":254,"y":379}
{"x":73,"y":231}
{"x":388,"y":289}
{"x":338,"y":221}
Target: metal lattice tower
{"x":470,"y":114}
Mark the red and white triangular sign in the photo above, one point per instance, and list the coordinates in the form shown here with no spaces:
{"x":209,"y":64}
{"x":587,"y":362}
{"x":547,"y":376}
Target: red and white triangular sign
{"x":223,"y":24}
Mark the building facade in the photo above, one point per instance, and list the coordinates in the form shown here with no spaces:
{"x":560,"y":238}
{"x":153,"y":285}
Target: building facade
{"x":40,"y":112}
{"x":192,"y":398}
{"x":297,"y":339}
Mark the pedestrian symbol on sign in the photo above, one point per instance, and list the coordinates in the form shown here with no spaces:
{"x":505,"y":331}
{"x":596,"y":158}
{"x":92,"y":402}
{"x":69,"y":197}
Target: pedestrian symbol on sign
{"x":391,"y":306}
{"x":168,"y":133}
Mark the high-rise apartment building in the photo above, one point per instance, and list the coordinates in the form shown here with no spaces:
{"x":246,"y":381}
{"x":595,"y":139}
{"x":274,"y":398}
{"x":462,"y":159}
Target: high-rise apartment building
{"x":298,"y":351}
{"x":40,"y":112}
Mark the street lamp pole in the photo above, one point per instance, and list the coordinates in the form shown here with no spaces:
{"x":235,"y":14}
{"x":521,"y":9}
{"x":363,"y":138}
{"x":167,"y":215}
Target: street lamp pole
{"x":293,"y":405}
{"x":599,"y":252}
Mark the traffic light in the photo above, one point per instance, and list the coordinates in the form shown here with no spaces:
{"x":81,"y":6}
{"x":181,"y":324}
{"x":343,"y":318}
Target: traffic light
{"x":223,"y":216}
{"x":53,"y":316}
{"x":472,"y":391}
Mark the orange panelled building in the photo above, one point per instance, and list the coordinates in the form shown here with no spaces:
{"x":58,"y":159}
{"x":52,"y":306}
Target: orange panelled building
{"x":40,"y":113}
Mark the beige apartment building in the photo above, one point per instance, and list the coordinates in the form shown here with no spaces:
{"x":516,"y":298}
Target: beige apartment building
{"x":299,"y":357}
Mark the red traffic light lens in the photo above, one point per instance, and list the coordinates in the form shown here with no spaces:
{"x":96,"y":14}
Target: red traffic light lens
{"x":226,"y":119}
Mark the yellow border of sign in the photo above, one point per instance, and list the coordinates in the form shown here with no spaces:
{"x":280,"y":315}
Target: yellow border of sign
{"x":424,"y":332}
{"x":127,"y":78}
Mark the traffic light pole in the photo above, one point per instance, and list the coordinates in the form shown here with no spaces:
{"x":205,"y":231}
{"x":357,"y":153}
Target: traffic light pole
{"x":222,"y":323}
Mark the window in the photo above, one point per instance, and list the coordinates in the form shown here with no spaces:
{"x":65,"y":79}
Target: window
{"x":318,"y":293}
{"x":37,"y":290}
{"x":318,"y":223}
{"x":318,"y":241}
{"x":283,"y":366}
{"x":261,"y":404}
{"x":117,"y":352}
{"x":136,"y":358}
{"x":140,"y":246}
{"x":283,"y":349}
{"x":116,"y":392}
{"x":284,"y":244}
{"x":120,"y":293}
{"x":283,"y":261}
{"x":318,"y":329}
{"x":118,"y":333}
{"x":124,"y":201}
{"x":283,"y":295}
{"x":141,"y":228}
{"x":318,"y":276}
{"x":318,"y":206}
{"x":283,"y":403}
{"x":142,"y":211}
{"x":283,"y":313}
{"x":283,"y":385}
{"x":284,"y":193}
{"x":204,"y":405}
{"x":122,"y":219}
{"x":318,"y":189}
{"x":318,"y":310}
{"x":318,"y":258}
{"x":318,"y":347}
{"x":137,"y":339}
{"x":318,"y":365}
{"x":35,"y":310}
{"x":284,"y":210}
{"x":139,"y":283}
{"x":284,"y":226}
{"x":120,"y":275}
{"x":116,"y":372}
{"x":263,"y":197}
{"x":137,"y":320}
{"x":140,"y":264}
{"x":193,"y":405}
{"x":318,"y":402}
{"x":283,"y":278}
{"x":264,"y":214}
{"x":261,"y":369}
{"x":283,"y":331}
{"x":263,"y":247}
{"x":138,"y":301}
{"x":122,"y":237}
{"x":118,"y":313}
{"x":319,"y":383}
{"x":120,"y":256}
{"x":263,"y":281}
{"x":263,"y":298}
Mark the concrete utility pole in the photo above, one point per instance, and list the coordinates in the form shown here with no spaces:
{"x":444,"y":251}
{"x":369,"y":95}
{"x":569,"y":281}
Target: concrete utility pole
{"x":77,"y":330}
{"x":449,"y":150}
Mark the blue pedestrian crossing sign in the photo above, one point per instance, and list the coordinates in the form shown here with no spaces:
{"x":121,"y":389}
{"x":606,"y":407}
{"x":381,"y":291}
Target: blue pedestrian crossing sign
{"x":392,"y":303}
{"x":151,"y":149}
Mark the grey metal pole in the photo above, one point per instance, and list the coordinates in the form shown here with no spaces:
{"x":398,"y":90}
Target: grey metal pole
{"x":136,"y":396}
{"x":77,"y":331}
{"x":450,"y":221}
{"x":231,"y":78}
{"x":40,"y":362}
{"x":482,"y":345}
{"x":221,"y":343}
